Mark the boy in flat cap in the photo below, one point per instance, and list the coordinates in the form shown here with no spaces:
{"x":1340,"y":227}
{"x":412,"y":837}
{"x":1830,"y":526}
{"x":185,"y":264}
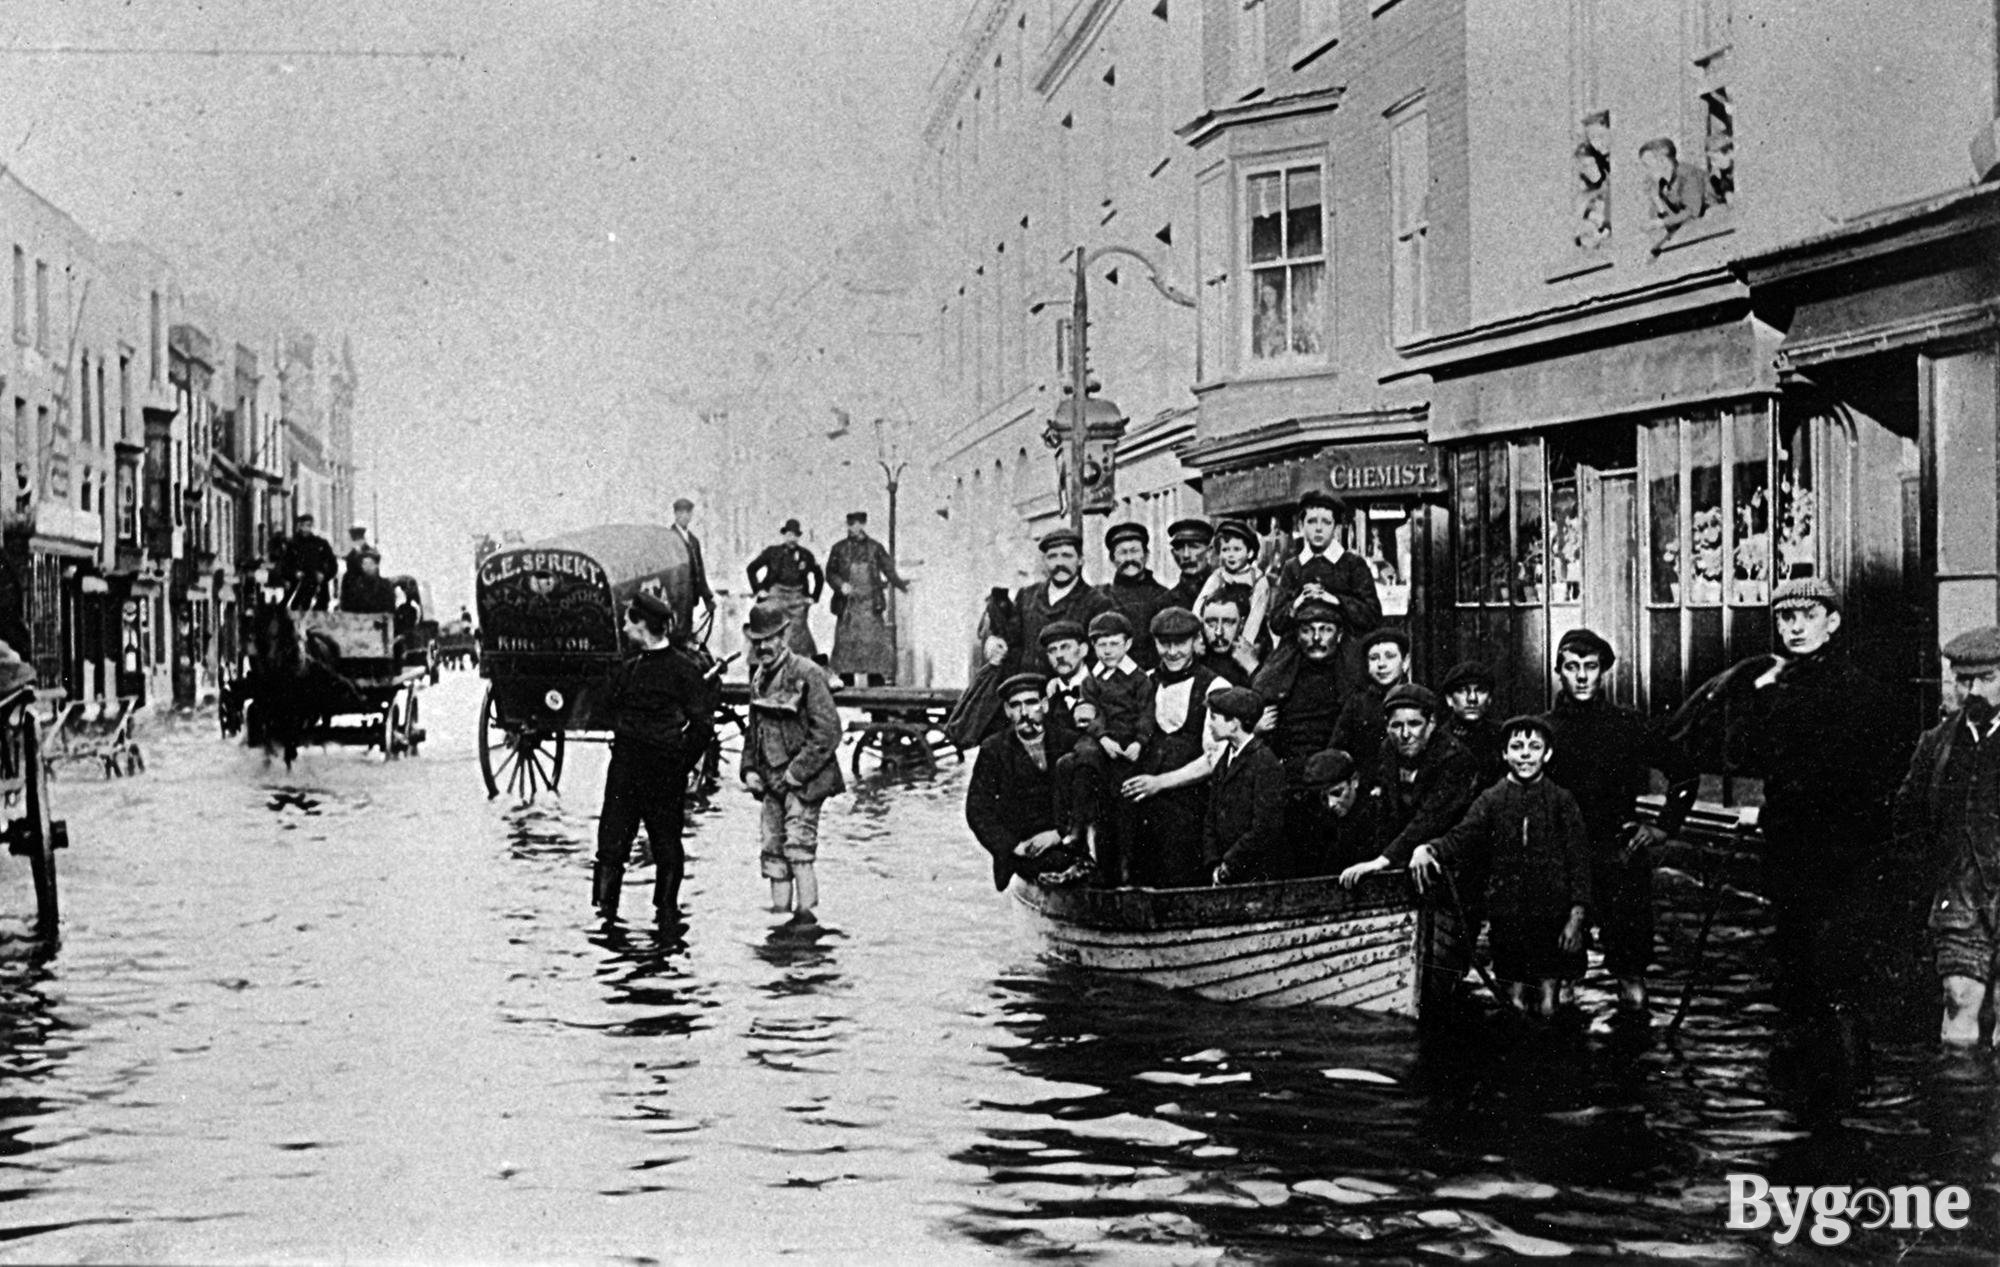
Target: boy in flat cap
{"x":1190,"y":540}
{"x":1171,"y":810}
{"x":1326,"y":571}
{"x":1603,"y":754}
{"x":1116,"y":714}
{"x":1467,"y":692}
{"x":1949,"y":809}
{"x":1339,"y":833}
{"x":1821,"y":734}
{"x":860,"y":572}
{"x":1010,"y":802}
{"x":1529,"y":834}
{"x":1063,"y":594}
{"x":1246,"y":801}
{"x":662,"y":707}
{"x":1133,"y":591}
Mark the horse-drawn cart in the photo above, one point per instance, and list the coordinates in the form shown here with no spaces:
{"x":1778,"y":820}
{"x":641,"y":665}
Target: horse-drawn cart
{"x":386,"y":676}
{"x":329,"y":677}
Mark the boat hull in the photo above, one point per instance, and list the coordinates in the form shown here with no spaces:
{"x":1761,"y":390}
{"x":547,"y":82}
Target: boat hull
{"x":1280,"y":944}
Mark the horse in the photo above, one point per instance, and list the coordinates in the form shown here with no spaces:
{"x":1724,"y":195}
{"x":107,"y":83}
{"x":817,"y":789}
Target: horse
{"x":293,"y":684}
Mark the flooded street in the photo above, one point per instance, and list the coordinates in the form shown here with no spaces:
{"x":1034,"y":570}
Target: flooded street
{"x":361,"y":1012}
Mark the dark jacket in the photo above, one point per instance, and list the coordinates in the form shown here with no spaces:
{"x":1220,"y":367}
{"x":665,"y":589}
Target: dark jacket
{"x":861,"y":561}
{"x":1485,"y":742}
{"x":794,"y":728}
{"x":1186,"y":590}
{"x":367,"y":595}
{"x":1407,"y":815}
{"x":1349,"y":579}
{"x":1225,"y":666}
{"x":697,"y":568}
{"x":1360,"y":730}
{"x":786,"y":564}
{"x":1531,"y":836}
{"x":1124,"y":702}
{"x":1603,"y":753}
{"x":308,"y":552}
{"x":1948,"y":825}
{"x":1246,"y":809}
{"x":1031,"y":604}
{"x":1009,"y":799}
{"x":1140,"y":599}
{"x":662,"y":703}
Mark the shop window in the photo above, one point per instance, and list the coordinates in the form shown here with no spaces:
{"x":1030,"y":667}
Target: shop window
{"x":1499,"y":558}
{"x":1709,"y":520}
{"x":1501,"y":521}
{"x":1565,"y":531}
{"x":1714,"y":111}
{"x":1750,"y":478}
{"x":1797,"y":511}
{"x":1525,"y":458}
{"x":1388,"y":545}
{"x":128,"y":505}
{"x":1662,"y":455}
{"x":1287,"y":258}
{"x":1465,"y":521}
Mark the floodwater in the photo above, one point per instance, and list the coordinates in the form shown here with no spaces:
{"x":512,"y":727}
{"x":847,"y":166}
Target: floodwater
{"x":360,"y":1013}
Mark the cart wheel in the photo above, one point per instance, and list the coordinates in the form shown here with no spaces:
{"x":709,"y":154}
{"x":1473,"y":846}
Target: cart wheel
{"x":33,"y":834}
{"x":523,"y":761}
{"x":135,"y":761}
{"x":891,"y":750}
{"x":412,"y":733}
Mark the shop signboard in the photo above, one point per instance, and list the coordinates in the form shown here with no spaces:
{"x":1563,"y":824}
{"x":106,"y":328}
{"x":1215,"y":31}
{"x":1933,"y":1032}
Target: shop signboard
{"x":1393,"y":469}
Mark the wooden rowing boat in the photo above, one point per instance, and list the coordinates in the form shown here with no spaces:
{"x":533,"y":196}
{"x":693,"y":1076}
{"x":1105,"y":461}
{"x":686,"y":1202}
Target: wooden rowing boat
{"x":1276,"y":944}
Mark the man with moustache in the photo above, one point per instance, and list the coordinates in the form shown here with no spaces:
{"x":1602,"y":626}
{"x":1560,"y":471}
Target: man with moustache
{"x":1133,"y":591}
{"x":1063,"y":595}
{"x":1010,"y":800}
{"x":1190,"y":540}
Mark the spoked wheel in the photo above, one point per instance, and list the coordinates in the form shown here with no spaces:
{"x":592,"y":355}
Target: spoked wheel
{"x":391,"y":737}
{"x":413,"y":733}
{"x":33,"y":835}
{"x":523,"y":761}
{"x":892,"y":750}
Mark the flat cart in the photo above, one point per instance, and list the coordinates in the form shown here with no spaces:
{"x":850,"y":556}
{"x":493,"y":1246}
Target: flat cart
{"x":549,"y":637}
{"x":900,"y":730}
{"x":29,"y":830}
{"x":385,"y":676}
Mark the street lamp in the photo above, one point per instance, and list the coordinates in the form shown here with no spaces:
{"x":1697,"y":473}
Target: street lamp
{"x":1093,"y":418}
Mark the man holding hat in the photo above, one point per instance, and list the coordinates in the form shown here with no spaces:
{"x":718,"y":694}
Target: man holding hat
{"x":662,"y":707}
{"x":697,"y":590}
{"x":787,"y":574}
{"x":1821,"y":735}
{"x":1949,"y":808}
{"x":791,"y":748}
{"x":1133,"y":591}
{"x":1010,"y":800}
{"x":1062,"y":595}
{"x":1604,"y":754}
{"x":860,"y":571}
{"x":1190,"y":540}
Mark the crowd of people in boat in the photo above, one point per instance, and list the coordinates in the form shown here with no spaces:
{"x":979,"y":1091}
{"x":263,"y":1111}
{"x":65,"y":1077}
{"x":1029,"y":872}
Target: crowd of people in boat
{"x":1261,"y":723}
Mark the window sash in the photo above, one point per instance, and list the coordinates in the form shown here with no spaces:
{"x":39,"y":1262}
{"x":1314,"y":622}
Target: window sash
{"x":1284,"y":250}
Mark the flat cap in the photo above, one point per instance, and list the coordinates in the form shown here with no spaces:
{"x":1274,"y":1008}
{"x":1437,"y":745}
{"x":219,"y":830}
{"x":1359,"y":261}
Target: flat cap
{"x":1058,"y":538}
{"x":1190,"y":530}
{"x":1237,"y":702}
{"x":1316,"y":609}
{"x":1126,"y":532}
{"x":683,"y":503}
{"x":1975,"y":648}
{"x":1397,"y":637}
{"x":1530,"y":722}
{"x":645,"y":604}
{"x":1409,"y":695}
{"x":1463,"y":674}
{"x":1057,"y":630}
{"x":1804,"y":592}
{"x":1240,"y":531}
{"x":1321,"y":498}
{"x":1175,"y":623}
{"x":1585,"y":642}
{"x":1110,"y":623}
{"x":857,"y":516}
{"x":1022,"y":684}
{"x":1325,"y":768}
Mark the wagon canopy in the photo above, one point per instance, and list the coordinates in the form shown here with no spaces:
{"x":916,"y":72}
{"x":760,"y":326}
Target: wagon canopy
{"x":561,"y":596}
{"x":634,"y":557}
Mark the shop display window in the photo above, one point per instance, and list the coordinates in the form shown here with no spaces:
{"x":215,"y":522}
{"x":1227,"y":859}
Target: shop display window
{"x":1797,"y":508}
{"x":1389,"y":548}
{"x":1466,"y":520}
{"x":1728,"y":540}
{"x":1565,"y":532}
{"x":1529,"y":565}
{"x":1750,"y":551}
{"x":1662,"y":454}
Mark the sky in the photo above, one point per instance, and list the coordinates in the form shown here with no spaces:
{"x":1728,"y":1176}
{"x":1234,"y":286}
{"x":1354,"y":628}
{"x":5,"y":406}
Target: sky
{"x":563,"y":219}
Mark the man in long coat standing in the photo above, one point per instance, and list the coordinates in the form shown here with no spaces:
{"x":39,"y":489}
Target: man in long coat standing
{"x":1133,"y":589}
{"x":697,"y":590}
{"x":860,"y":571}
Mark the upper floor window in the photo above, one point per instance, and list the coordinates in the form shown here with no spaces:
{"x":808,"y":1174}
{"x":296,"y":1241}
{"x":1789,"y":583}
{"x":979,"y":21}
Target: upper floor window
{"x":1286,"y":253}
{"x":20,"y":295}
{"x":1247,"y":46}
{"x":41,"y":306}
{"x":1714,"y":115}
{"x":1409,"y":200}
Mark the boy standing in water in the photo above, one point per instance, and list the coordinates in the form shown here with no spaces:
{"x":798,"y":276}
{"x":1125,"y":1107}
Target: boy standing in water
{"x":790,"y":750}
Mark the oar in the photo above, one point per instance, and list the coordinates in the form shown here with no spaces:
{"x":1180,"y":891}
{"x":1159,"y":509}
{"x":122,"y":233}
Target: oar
{"x":1696,"y":972}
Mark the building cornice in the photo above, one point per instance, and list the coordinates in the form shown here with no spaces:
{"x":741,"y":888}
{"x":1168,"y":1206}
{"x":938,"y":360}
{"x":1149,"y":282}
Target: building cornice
{"x":1070,"y":41}
{"x":1309,"y":431}
{"x":1888,"y":231}
{"x":1210,"y":124}
{"x":963,"y":62}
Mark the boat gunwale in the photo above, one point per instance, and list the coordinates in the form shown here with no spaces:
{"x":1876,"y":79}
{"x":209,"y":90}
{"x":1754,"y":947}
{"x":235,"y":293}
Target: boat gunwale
{"x":1145,"y":909}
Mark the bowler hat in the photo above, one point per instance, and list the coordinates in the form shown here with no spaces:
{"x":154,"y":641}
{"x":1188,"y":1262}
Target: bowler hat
{"x":1057,"y":630}
{"x":1463,"y":674}
{"x":1126,"y":532}
{"x":767,"y":620}
{"x":1804,"y":592}
{"x":1023,"y":684}
{"x":1240,"y":531}
{"x":644,"y":604}
{"x":1530,"y":722}
{"x":1325,"y":768}
{"x":1190,"y":530}
{"x":1974,"y":649}
{"x":1410,"y":695}
{"x":791,"y":526}
{"x":1058,"y":538}
{"x":1586,"y":642}
{"x":1237,"y":702}
{"x":1171,"y":624}
{"x":1104,"y":623}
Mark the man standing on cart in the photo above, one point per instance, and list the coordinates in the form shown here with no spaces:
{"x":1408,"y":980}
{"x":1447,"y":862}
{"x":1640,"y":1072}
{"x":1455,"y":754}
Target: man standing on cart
{"x":860,"y":571}
{"x":662,"y":708}
{"x":788,"y":575}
